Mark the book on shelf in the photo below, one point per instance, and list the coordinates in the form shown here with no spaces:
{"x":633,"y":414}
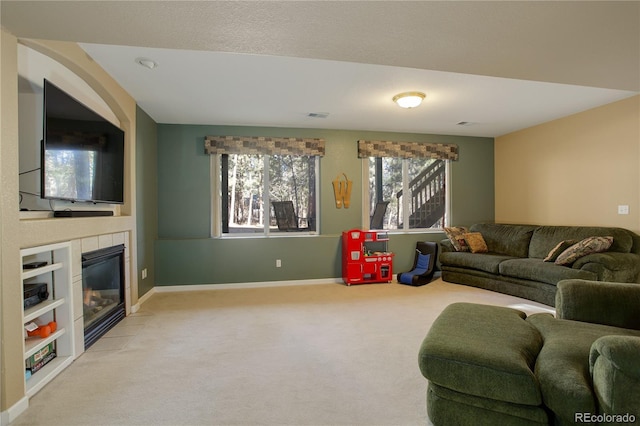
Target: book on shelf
{"x":41,"y":358}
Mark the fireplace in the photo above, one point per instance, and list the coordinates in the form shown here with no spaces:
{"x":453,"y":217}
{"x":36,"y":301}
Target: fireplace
{"x":102,"y":291}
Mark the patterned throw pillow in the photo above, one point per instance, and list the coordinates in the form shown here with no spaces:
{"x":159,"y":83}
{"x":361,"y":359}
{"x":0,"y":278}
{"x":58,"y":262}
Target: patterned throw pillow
{"x":583,"y":248}
{"x":558,"y":249}
{"x":476,"y":242}
{"x":456,"y":236}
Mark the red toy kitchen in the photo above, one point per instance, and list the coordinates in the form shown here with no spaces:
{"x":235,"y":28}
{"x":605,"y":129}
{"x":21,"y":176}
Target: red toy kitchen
{"x":365,"y":258}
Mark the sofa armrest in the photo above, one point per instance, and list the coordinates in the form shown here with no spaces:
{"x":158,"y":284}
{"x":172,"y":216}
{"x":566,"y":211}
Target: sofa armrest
{"x":615,"y":370}
{"x":600,"y":302}
{"x":611,"y":266}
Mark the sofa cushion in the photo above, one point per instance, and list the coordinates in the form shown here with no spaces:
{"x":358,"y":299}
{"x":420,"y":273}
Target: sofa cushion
{"x":558,"y":249}
{"x":562,"y":367}
{"x":483,"y":350}
{"x":455,"y":234}
{"x":538,"y":270}
{"x":487,"y":262}
{"x":511,"y":240}
{"x":582,"y":248}
{"x":475,"y":242}
{"x":544,"y":238}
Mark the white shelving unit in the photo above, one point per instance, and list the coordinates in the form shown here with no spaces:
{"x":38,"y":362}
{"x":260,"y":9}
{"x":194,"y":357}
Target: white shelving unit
{"x":58,"y":307}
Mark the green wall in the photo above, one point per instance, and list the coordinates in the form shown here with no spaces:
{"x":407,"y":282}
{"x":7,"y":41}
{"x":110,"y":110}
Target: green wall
{"x":185,"y":254}
{"x":146,"y":198}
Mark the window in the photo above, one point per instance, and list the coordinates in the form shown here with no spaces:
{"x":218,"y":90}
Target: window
{"x":242,"y":192}
{"x":292,"y":180}
{"x":424,"y":179}
{"x":407,"y":184}
{"x":262,"y":193}
{"x":269,"y":192}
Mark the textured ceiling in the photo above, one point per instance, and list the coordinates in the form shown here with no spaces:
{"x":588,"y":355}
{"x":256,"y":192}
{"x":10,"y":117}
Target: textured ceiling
{"x":592,"y":44}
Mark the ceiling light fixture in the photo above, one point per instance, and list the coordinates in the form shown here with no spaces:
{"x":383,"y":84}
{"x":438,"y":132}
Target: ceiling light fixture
{"x":147,"y":63}
{"x":409,"y":99}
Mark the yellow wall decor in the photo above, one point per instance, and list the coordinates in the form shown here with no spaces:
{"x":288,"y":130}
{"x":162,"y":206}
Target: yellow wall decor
{"x":342,"y":191}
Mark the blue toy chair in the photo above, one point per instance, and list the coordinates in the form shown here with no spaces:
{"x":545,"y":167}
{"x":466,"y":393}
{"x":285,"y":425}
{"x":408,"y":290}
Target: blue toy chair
{"x":423,"y":265}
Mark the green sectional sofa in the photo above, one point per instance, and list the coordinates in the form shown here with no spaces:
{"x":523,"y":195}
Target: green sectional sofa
{"x":514,"y":262}
{"x":493,"y":365}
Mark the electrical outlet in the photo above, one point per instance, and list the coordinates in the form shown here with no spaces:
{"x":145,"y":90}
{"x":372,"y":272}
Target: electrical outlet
{"x":278,"y":263}
{"x":623,"y":209}
{"x":144,"y":273}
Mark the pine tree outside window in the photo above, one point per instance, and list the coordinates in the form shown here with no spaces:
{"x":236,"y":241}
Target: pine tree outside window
{"x":264,"y":186}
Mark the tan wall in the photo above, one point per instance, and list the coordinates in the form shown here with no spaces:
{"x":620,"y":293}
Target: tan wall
{"x":12,"y":366}
{"x":17,"y":233}
{"x":572,"y":171}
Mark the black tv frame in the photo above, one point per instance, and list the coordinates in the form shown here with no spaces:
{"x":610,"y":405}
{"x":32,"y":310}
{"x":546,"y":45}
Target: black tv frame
{"x":71,"y":106}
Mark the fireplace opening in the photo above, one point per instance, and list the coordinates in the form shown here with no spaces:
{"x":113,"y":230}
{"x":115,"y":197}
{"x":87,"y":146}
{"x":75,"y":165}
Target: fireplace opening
{"x":102,"y":291}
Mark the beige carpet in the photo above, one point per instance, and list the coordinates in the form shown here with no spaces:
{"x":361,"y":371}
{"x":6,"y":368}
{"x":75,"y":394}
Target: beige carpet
{"x":292,"y":355}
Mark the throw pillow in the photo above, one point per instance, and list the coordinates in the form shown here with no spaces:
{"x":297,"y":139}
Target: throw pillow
{"x":456,"y":236}
{"x":558,"y":249}
{"x":583,"y":248}
{"x":476,"y":242}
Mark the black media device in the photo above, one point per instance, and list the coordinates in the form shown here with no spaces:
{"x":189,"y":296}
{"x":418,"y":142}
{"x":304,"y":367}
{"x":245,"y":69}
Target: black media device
{"x":82,"y":153}
{"x":35,"y":293}
{"x":82,"y":213}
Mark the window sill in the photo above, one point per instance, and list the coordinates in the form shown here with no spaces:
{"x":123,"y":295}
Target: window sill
{"x":274,"y":235}
{"x":411,"y":231}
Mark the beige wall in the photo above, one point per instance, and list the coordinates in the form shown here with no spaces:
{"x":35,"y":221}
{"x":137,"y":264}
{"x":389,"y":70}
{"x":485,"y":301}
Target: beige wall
{"x":17,"y":233}
{"x":12,"y":367}
{"x":572,"y":171}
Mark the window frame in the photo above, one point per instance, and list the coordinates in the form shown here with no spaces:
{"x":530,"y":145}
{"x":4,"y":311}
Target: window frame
{"x":216,"y":202}
{"x":366,"y":202}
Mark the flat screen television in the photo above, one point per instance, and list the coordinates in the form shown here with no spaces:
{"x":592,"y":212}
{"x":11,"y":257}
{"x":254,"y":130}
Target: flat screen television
{"x":82,"y":153}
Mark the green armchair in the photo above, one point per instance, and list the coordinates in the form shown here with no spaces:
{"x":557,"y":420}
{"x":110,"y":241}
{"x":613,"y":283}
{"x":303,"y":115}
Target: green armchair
{"x":584,"y":362}
{"x":614,"y":360}
{"x":599,"y":302}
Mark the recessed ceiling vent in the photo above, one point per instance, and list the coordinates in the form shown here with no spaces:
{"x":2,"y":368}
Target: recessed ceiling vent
{"x":465,"y":123}
{"x":318,"y":114}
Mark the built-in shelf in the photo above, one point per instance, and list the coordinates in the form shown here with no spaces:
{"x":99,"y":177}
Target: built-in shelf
{"x":37,"y":311}
{"x":58,"y":307}
{"x":47,"y":373}
{"x":34,"y":344}
{"x":30,"y":273}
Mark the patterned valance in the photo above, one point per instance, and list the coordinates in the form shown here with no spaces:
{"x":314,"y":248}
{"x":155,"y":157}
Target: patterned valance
{"x":407,"y":150}
{"x":263,"y":145}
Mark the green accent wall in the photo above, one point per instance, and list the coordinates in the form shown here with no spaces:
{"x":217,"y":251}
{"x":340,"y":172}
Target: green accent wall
{"x":186,"y":255}
{"x":146,"y":197}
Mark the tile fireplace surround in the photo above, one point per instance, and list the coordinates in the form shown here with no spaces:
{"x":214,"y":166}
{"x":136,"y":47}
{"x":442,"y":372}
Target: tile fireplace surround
{"x":85,"y":245}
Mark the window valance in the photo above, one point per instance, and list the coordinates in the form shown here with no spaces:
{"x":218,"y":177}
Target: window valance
{"x":263,"y":145}
{"x":407,"y":150}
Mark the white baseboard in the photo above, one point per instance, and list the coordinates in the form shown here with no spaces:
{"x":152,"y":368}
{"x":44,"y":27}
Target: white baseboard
{"x":14,"y":411}
{"x":200,"y":287}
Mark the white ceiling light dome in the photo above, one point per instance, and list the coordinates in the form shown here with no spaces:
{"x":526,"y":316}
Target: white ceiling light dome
{"x":409,"y":99}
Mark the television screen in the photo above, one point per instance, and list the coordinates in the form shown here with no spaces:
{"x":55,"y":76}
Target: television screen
{"x":82,"y":153}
